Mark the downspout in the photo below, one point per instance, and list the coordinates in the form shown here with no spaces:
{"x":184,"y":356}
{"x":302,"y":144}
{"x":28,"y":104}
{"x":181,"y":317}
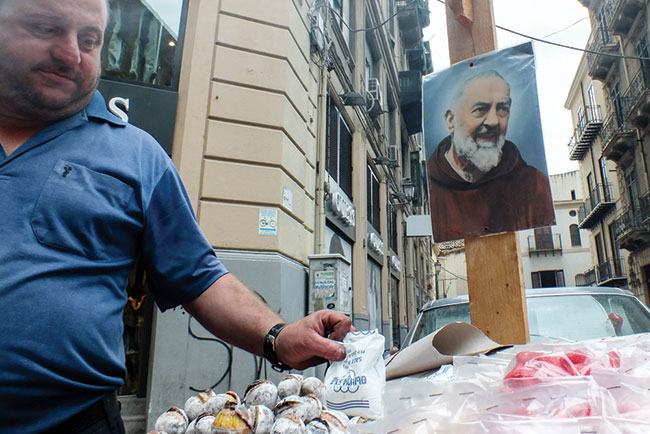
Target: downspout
{"x":643,"y":159}
{"x":321,"y":169}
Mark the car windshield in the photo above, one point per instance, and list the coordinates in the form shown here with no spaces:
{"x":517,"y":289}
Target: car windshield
{"x":575,"y":317}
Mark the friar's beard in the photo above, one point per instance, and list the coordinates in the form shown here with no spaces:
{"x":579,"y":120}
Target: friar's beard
{"x":482,"y":154}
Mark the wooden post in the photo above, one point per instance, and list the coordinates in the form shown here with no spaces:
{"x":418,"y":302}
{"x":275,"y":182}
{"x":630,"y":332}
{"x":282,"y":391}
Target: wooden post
{"x":497,"y":297}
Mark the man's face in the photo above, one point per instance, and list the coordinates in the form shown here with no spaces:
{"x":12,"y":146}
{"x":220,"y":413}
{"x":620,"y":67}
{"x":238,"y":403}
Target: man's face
{"x":50,"y":51}
{"x":479,"y":122}
{"x":484,"y":109}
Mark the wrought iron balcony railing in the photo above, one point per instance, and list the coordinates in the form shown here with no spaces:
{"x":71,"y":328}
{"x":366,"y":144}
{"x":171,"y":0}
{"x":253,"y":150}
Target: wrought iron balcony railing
{"x":595,"y":206}
{"x":636,"y":99}
{"x":599,"y":57}
{"x":585,"y":132}
{"x":622,"y":13}
{"x":630,"y":230}
{"x":544,"y":244}
{"x":617,"y":138}
{"x":610,"y":272}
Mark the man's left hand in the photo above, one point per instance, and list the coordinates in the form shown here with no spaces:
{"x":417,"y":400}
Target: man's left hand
{"x":313,"y":339}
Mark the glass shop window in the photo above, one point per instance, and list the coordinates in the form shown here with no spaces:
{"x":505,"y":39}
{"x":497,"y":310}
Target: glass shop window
{"x":141,"y":42}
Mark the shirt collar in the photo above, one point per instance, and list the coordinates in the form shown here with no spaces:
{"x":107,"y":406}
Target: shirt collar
{"x":98,"y":109}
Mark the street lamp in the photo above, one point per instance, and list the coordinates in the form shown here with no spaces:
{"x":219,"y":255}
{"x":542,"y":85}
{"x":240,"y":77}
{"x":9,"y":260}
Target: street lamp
{"x":438,"y":267}
{"x":409,"y":189}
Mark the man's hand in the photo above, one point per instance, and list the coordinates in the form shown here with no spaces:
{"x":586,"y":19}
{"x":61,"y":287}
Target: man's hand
{"x":313,"y":339}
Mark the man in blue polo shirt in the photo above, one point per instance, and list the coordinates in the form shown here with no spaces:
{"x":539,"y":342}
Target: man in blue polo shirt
{"x":82,"y":196}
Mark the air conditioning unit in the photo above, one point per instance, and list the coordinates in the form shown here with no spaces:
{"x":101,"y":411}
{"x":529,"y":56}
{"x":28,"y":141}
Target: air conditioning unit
{"x":374,"y":101}
{"x":393,"y":153}
{"x":317,"y":32}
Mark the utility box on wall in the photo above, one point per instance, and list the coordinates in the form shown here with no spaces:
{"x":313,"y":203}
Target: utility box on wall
{"x":330,"y":283}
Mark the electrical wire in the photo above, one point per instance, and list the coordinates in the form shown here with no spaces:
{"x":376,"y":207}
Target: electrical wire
{"x":557,"y":44}
{"x":566,"y":28}
{"x":455,"y":275}
{"x":365,"y":29}
{"x":228,"y":349}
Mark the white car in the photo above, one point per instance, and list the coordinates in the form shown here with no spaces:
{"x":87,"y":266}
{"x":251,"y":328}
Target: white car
{"x":578,"y":313}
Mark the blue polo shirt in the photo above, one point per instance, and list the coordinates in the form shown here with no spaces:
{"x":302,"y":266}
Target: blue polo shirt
{"x":79,"y":203}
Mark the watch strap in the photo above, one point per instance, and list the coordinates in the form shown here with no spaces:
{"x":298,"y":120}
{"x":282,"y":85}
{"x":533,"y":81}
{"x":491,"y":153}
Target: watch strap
{"x":270,"y":350}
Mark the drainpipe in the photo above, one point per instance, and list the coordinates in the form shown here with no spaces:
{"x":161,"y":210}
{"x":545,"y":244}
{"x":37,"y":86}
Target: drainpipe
{"x":643,"y":159}
{"x":321,"y":145}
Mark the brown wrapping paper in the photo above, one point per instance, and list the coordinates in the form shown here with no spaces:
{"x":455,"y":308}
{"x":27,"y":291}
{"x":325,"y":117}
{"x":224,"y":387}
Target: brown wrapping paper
{"x":439,"y":348}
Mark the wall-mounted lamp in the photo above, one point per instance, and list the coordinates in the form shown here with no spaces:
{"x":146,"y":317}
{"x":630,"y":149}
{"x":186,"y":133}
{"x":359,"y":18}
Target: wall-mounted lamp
{"x":409,"y":189}
{"x":353,"y":99}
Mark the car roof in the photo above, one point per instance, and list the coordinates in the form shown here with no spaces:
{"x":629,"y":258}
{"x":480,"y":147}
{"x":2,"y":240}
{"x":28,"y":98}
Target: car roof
{"x":537,"y":292}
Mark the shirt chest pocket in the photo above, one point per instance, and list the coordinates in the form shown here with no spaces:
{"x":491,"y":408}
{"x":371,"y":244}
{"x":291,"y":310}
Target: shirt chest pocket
{"x":84,"y":212}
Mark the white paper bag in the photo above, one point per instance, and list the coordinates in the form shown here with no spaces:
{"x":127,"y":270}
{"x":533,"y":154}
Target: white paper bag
{"x":356,"y":384}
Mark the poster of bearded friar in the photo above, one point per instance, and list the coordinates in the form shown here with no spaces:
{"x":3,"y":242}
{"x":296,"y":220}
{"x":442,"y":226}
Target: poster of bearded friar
{"x":486,"y":164}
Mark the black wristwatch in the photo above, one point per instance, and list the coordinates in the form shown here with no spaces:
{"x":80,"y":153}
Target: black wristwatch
{"x":269,"y":348}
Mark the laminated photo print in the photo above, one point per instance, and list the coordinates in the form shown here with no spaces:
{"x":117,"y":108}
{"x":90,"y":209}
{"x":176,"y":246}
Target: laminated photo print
{"x":486,"y":165}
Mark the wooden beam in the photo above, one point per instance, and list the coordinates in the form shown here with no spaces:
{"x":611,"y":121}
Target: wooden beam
{"x":462,"y":11}
{"x":497,"y":294}
{"x":477,"y":38}
{"x":497,"y":299}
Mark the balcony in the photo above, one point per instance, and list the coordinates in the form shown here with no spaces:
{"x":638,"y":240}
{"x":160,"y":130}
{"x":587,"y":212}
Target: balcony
{"x":611,"y":273}
{"x":599,"y":59}
{"x":617,"y":139}
{"x":412,"y":16}
{"x":596,"y":206}
{"x":623,"y":14}
{"x":585,"y":132}
{"x":410,"y":83}
{"x":637,"y":99}
{"x":630,"y":231}
{"x":544,"y":244}
{"x":588,"y":278}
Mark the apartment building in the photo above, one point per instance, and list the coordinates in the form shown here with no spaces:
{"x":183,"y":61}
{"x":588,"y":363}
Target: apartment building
{"x":611,"y":111}
{"x":551,"y":256}
{"x":296,"y":126}
{"x":558,"y":255}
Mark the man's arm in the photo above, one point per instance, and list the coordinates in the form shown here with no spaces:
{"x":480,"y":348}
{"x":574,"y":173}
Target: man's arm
{"x":233,"y":313}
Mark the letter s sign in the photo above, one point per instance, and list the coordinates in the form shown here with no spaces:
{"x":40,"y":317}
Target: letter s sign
{"x":119,"y":107}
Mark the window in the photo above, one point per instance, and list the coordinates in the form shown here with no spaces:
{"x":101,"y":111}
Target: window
{"x":581,"y":119}
{"x":604,"y":28}
{"x":337,"y":7}
{"x":372,"y":184}
{"x":600,"y":249}
{"x":574,"y":231}
{"x":573,"y":195}
{"x":548,"y":278}
{"x":632,"y":189}
{"x":593,"y":107}
{"x":617,"y":100}
{"x":643,"y":51}
{"x":141,"y":42}
{"x":616,"y":254}
{"x":543,"y":238}
{"x":374,"y":296}
{"x":392,"y":229}
{"x":339,"y":149}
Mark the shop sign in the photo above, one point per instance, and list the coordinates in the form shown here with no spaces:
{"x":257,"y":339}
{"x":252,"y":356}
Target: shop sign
{"x":375,"y":243}
{"x":342,"y":208}
{"x":395,"y":263}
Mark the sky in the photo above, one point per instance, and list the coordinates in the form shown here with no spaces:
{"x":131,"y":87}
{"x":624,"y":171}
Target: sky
{"x":556,"y":66}
{"x":169,"y":11}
